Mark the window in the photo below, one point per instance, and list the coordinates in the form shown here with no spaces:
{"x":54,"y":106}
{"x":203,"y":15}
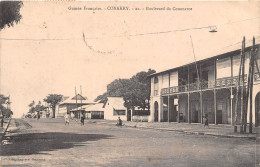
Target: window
{"x":155,"y":85}
{"x":165,"y":83}
{"x":119,"y":112}
{"x":223,"y":67}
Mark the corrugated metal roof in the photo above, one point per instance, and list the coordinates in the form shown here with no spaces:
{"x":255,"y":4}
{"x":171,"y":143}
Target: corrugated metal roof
{"x":202,"y":59}
{"x":90,"y":107}
{"x":95,"y":107}
{"x":70,"y":101}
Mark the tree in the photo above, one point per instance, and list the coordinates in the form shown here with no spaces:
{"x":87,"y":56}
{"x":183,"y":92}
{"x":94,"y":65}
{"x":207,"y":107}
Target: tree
{"x":10,"y":13}
{"x":53,"y":100}
{"x":32,"y":107}
{"x":135,"y":91}
{"x":39,"y":107}
{"x":7,"y":112}
{"x":4,"y":111}
{"x":3,"y":100}
{"x":142,"y":89}
{"x":101,"y":98}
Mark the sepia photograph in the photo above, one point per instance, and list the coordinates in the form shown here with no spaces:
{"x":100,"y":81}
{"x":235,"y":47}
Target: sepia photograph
{"x":130,"y":83}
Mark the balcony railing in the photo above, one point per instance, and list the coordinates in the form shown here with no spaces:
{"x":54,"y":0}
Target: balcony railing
{"x":223,"y":82}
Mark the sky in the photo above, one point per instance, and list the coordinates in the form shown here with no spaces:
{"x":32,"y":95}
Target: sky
{"x":46,"y":53}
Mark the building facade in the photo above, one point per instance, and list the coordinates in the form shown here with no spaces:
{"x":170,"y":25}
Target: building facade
{"x":69,"y":104}
{"x":114,"y":108}
{"x":204,"y":88}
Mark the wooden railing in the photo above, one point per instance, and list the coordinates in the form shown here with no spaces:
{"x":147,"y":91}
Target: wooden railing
{"x":223,"y":82}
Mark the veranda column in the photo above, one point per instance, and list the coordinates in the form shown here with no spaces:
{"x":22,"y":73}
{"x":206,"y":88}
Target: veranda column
{"x":169,"y":83}
{"x":231,"y":105}
{"x":201,"y":108}
{"x":168,"y":108}
{"x":231,"y":92}
{"x":215,"y":106}
{"x":188,"y":87}
{"x":189,"y":115}
{"x":201,"y":104}
{"x":215,"y":96}
{"x":178,"y":110}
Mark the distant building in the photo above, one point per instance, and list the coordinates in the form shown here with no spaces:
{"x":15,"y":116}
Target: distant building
{"x":93,"y":111}
{"x":208,"y":87}
{"x":71,"y":103}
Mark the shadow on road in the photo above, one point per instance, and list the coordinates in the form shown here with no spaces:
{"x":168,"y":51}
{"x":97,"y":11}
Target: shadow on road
{"x":34,"y":143}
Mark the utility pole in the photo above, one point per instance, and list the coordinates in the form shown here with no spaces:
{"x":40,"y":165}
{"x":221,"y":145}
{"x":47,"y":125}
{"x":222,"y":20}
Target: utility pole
{"x":237,"y":111}
{"x":76,"y":102}
{"x":81,"y":99}
{"x":250,"y":85}
{"x":199,"y":82}
{"x":243,"y":124}
{"x":246,"y":93}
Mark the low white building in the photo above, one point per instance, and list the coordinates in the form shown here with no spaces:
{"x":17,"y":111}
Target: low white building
{"x":92,"y":111}
{"x":114,"y":108}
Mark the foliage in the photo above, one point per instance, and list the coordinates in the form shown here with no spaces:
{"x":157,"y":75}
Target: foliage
{"x":53,"y":100}
{"x":39,"y":107}
{"x":5,"y":111}
{"x":3,"y":100}
{"x":32,"y":107}
{"x":101,"y":98}
{"x":9,"y":13}
{"x":135,"y":91}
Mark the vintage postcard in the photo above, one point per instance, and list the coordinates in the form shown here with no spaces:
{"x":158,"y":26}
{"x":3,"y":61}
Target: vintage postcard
{"x":125,"y":83}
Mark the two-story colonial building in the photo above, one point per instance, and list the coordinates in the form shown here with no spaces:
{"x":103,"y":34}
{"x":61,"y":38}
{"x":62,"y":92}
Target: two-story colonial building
{"x":207,"y":87}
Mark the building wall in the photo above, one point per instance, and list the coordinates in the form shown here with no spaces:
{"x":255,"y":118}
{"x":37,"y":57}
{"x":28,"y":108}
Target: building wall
{"x":223,"y":70}
{"x":109,"y":113}
{"x":223,"y":67}
{"x":165,"y":80}
{"x":174,"y":78}
{"x":61,"y":111}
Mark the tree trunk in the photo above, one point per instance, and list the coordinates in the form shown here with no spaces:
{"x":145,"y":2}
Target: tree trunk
{"x":148,"y":106}
{"x":53,"y":112}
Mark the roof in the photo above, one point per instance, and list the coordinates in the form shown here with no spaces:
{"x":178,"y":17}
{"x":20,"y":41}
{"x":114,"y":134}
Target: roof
{"x":77,"y":99}
{"x":64,"y":98}
{"x":90,"y":107}
{"x":199,"y":60}
{"x":116,"y":102}
{"x":95,"y":107}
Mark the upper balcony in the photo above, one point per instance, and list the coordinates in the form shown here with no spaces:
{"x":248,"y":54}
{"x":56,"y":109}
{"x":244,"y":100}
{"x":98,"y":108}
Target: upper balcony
{"x":219,"y":83}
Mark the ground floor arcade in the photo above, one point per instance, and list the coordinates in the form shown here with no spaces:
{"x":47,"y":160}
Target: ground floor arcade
{"x":192,"y":107}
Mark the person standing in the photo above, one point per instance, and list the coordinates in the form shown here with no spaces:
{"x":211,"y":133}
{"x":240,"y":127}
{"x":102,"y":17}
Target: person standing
{"x":38,"y":115}
{"x":206,"y":122}
{"x":67,"y":119}
{"x":82,"y":118}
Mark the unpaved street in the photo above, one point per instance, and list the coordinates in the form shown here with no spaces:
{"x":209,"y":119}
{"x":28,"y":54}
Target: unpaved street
{"x":50,"y":143}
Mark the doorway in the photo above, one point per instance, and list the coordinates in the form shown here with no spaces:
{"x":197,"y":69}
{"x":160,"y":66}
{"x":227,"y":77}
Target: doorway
{"x":219,"y":116}
{"x":128,"y":115}
{"x":156,"y":111}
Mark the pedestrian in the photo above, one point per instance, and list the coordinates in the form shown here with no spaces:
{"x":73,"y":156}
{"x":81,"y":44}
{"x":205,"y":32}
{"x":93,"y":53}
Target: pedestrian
{"x":67,"y":119}
{"x":206,"y":122}
{"x":38,"y":115}
{"x":82,"y":118}
{"x":119,"y":122}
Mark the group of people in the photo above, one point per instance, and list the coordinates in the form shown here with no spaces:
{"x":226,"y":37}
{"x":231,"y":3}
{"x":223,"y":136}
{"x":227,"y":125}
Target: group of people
{"x":67,"y":118}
